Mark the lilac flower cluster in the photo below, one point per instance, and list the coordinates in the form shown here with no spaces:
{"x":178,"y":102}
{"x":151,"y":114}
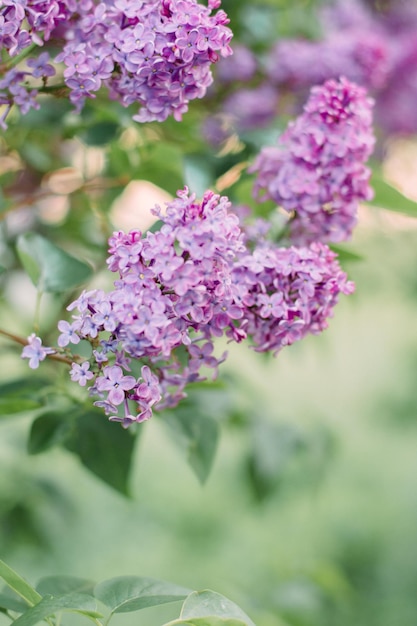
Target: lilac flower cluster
{"x":27,"y":22}
{"x":317,"y":173}
{"x":173,"y":295}
{"x":197,"y":278}
{"x":155,"y":53}
{"x":288,"y":292}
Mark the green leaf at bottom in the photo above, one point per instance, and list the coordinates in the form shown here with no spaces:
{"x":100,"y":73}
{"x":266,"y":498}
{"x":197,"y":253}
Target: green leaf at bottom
{"x":48,"y":606}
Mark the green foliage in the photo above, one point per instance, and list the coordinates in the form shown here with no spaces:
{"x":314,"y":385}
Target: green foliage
{"x":124,"y":594}
{"x":102,"y":447}
{"x":50,"y":606}
{"x":50,"y":268}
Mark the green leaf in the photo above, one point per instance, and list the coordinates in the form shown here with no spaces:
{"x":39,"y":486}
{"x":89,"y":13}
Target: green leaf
{"x":60,"y":585}
{"x":209,"y":604}
{"x":48,"y":606}
{"x":19,"y":584}
{"x":47,"y":430}
{"x":387,"y":197}
{"x":104,"y":447}
{"x":50,"y":268}
{"x":132,"y":593}
{"x":197,"y":435}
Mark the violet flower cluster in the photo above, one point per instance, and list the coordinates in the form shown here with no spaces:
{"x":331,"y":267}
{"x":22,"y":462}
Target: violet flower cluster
{"x":155,"y":53}
{"x":199,"y":277}
{"x":317,"y":173}
{"x":288,"y":293}
{"x":173,"y":295}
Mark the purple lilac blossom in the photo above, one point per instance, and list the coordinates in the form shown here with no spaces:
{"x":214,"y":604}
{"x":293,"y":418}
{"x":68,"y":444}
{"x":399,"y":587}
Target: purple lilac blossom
{"x":317,"y":173}
{"x":171,"y":285}
{"x":35,"y":351}
{"x":80,"y":373}
{"x":199,"y":277}
{"x":288,"y":293}
{"x":157,"y":53}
